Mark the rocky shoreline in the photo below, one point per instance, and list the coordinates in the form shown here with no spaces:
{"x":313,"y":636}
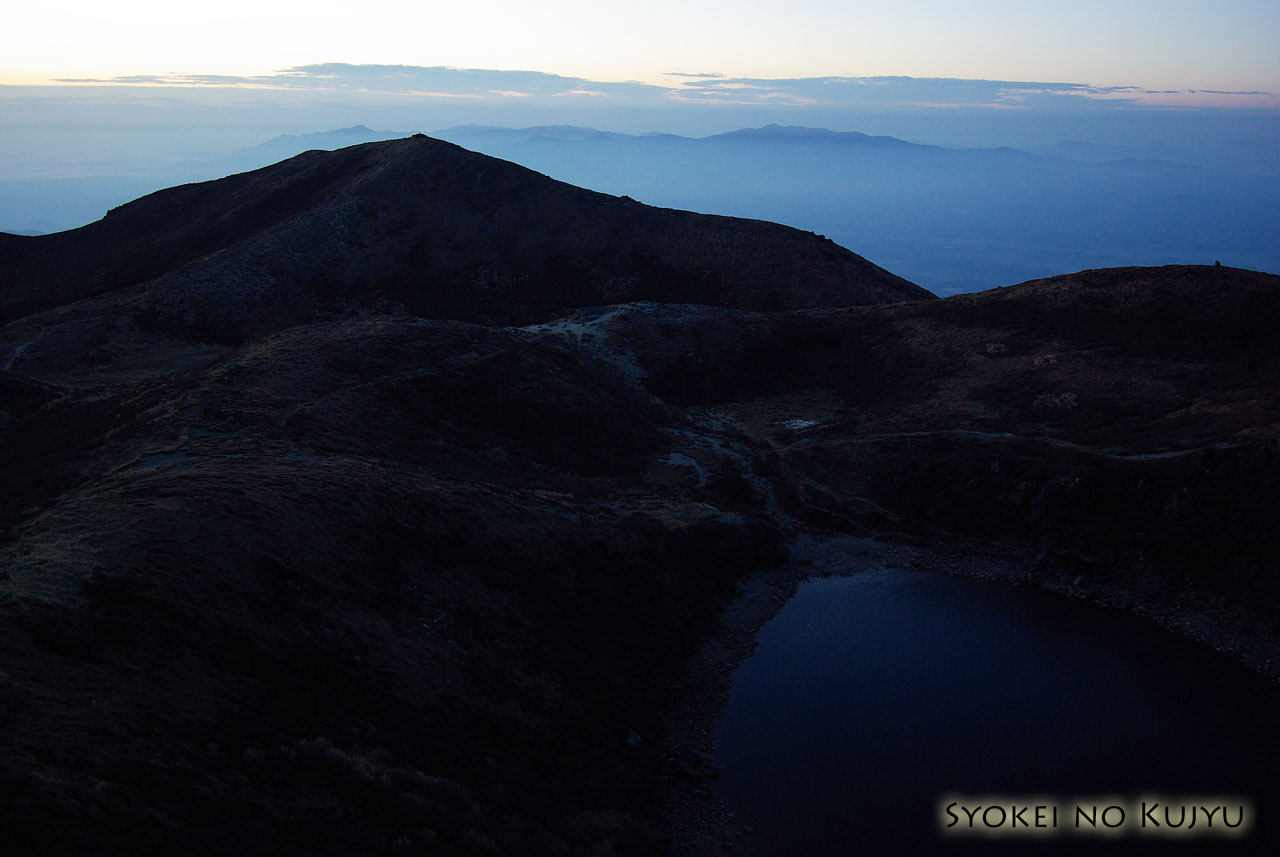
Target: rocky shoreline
{"x":700,"y":824}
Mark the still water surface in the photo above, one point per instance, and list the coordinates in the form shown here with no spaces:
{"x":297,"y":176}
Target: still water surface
{"x":871,"y":696}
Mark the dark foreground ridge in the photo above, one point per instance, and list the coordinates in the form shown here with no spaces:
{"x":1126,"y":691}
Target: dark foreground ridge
{"x":355,"y":577}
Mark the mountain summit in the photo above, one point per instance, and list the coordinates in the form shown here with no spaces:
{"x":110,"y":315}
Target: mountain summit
{"x":437,"y":229}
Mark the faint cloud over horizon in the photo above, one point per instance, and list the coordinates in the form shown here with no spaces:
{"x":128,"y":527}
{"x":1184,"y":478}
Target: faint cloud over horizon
{"x":700,"y":87}
{"x":393,"y":79}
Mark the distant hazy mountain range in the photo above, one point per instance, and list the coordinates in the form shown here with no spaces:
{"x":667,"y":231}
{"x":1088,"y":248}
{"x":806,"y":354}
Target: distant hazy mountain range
{"x":952,"y":220}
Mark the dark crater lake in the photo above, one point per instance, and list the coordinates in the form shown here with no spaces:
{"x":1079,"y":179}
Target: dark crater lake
{"x":871,"y":697}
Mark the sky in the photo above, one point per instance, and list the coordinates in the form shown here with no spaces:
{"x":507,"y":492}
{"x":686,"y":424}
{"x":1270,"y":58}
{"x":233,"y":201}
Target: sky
{"x":1226,"y":46}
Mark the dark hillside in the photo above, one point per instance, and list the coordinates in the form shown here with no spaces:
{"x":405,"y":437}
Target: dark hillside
{"x":361,"y":588}
{"x":444,"y":232}
{"x":306,"y":548}
{"x":1121,"y":420}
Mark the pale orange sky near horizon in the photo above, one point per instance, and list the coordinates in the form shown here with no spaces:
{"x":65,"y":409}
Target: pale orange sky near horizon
{"x":1157,"y":45}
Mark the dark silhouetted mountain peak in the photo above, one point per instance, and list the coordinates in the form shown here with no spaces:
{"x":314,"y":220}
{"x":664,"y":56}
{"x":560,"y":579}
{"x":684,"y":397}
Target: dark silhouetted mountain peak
{"x":773,"y":133}
{"x":434,"y":228}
